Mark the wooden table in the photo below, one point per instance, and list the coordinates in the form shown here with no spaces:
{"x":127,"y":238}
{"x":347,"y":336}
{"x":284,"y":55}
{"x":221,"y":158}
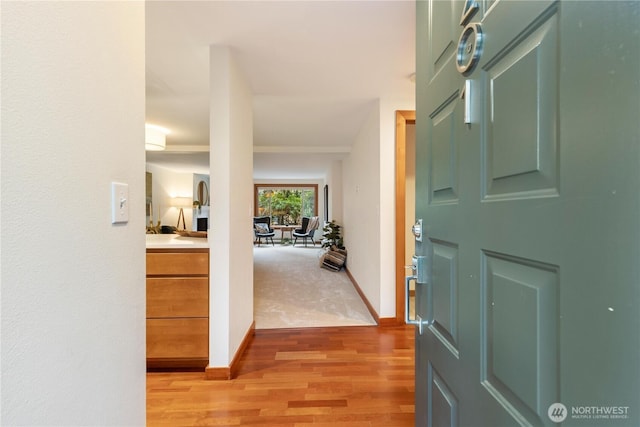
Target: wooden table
{"x":285,"y":229}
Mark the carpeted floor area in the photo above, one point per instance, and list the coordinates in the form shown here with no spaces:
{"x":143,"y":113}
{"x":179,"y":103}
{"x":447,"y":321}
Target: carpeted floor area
{"x":292,"y":291}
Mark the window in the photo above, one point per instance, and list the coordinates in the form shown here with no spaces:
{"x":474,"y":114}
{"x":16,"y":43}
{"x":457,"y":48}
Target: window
{"x":286,"y":203}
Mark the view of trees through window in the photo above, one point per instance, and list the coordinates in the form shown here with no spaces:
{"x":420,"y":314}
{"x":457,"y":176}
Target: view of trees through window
{"x":286,"y":204}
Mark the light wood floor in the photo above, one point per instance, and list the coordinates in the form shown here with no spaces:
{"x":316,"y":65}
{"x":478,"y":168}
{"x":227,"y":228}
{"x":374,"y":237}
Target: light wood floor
{"x":349,"y":376}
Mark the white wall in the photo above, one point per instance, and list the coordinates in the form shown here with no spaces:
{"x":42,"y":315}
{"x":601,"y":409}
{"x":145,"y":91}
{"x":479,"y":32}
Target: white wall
{"x":167,"y":184}
{"x":231,"y":235}
{"x":361,"y":198}
{"x":73,"y":284}
{"x":388,"y":108}
{"x":369,"y":206}
{"x":334,"y":180}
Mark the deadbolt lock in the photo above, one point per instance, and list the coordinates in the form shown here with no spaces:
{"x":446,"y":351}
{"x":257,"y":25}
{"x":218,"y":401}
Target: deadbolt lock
{"x":416,"y":229}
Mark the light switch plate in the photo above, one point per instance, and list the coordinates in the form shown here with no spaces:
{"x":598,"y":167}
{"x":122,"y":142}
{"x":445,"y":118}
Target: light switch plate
{"x":119,"y":203}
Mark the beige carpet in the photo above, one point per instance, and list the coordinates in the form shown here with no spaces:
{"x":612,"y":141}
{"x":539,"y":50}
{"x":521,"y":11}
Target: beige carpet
{"x":292,"y":291}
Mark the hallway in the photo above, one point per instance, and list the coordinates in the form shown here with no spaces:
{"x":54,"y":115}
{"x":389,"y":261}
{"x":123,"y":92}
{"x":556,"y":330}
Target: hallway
{"x":355,"y":376}
{"x":292,"y":291}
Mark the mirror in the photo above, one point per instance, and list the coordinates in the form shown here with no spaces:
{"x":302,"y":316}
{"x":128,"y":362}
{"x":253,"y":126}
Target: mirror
{"x":149,"y":192}
{"x":203,"y":193}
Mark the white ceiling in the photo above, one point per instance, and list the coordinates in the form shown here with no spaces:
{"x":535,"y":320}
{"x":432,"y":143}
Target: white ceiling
{"x":315,"y":69}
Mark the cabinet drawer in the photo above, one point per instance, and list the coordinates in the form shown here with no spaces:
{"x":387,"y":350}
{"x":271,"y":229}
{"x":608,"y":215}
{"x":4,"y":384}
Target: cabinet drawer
{"x":178,"y":297}
{"x":177,"y":263}
{"x":177,"y":338}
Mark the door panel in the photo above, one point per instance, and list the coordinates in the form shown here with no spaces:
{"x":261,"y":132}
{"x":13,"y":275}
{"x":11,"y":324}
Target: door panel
{"x":443,"y":34}
{"x":443,"y":152}
{"x":530,"y":213}
{"x":520,"y":145}
{"x":444,"y":405}
{"x":519,"y":332}
{"x":445,"y":294}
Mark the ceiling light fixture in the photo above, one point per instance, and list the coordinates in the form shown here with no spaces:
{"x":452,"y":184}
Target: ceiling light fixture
{"x":155,"y":138}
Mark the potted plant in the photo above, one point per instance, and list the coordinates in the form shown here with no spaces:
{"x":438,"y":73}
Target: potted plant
{"x":335,"y":256}
{"x":331,"y":235}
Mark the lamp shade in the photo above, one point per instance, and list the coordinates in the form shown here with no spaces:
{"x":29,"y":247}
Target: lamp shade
{"x":155,"y":138}
{"x":181,"y":202}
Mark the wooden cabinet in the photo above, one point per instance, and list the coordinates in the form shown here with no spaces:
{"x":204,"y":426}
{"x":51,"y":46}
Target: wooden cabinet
{"x":177,"y":308}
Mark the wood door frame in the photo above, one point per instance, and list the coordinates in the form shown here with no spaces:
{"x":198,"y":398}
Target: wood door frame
{"x":403,"y":118}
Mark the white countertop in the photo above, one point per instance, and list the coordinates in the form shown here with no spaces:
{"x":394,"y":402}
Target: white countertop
{"x":175,"y":241}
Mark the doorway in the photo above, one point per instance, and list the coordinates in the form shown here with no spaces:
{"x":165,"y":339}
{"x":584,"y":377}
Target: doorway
{"x":291,"y":290}
{"x":405,"y":199}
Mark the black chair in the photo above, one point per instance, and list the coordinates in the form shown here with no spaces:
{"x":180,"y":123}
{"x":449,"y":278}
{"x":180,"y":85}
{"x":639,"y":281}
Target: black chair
{"x":262,"y":228}
{"x":307,"y":230}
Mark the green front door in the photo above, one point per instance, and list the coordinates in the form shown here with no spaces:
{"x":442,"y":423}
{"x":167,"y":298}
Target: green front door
{"x":528,"y":185}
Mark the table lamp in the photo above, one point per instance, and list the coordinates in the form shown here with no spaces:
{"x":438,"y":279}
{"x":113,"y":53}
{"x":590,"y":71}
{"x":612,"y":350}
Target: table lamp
{"x":181,"y":202}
